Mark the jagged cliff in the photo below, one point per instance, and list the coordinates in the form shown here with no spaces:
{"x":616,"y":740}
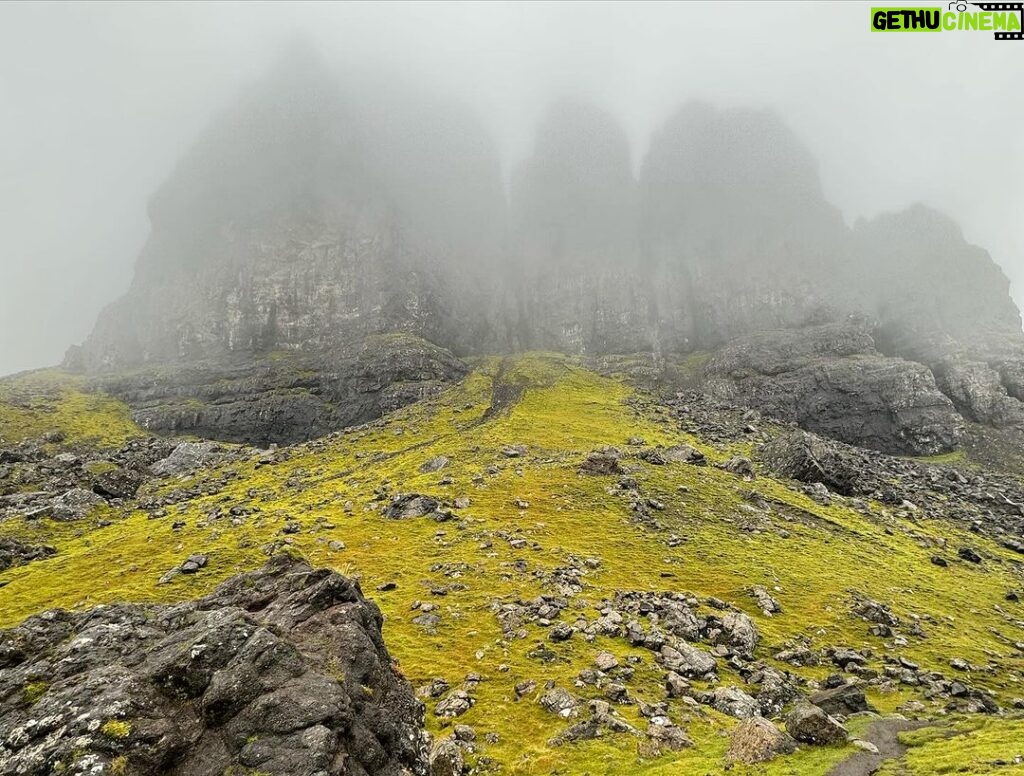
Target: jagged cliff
{"x":321,"y":212}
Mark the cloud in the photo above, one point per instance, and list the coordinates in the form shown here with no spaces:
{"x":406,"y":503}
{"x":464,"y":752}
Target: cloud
{"x":101,"y":99}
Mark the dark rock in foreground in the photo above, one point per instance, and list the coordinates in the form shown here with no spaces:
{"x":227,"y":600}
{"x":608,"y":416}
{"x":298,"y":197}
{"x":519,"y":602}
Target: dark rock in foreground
{"x":279,"y":671}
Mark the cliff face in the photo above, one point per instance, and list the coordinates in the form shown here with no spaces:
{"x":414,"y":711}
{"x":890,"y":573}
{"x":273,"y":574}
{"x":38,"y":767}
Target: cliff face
{"x":318,"y":213}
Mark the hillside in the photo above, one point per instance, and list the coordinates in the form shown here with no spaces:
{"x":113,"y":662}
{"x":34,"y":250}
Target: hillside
{"x":523,"y":565}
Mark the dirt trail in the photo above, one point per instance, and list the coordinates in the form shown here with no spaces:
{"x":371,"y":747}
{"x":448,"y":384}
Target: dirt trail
{"x":884,"y":735}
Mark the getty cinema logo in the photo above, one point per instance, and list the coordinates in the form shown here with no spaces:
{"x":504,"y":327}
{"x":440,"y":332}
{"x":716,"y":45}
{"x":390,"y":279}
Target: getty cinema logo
{"x":1004,"y":19}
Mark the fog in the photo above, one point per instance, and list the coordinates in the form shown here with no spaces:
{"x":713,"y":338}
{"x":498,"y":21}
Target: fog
{"x":99,"y":101}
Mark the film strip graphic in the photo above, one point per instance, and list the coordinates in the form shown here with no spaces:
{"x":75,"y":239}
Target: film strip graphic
{"x":1018,"y":7}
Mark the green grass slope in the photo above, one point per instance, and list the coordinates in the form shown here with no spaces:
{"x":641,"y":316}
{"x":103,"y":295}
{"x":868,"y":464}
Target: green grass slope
{"x":813,"y":558}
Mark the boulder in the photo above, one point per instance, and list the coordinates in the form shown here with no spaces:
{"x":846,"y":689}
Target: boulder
{"x":841,"y":701}
{"x":733,"y":701}
{"x":735,"y":630}
{"x":756,"y":740}
{"x":284,"y":667}
{"x":810,"y":725}
{"x":404,"y":506}
{"x":186,"y":458}
{"x":687,"y":660}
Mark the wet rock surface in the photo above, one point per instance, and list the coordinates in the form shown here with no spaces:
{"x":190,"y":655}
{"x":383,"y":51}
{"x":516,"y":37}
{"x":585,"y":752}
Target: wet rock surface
{"x":281,"y":671}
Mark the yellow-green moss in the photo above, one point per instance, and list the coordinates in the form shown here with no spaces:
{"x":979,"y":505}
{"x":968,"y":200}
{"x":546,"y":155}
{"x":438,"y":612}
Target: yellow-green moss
{"x":116,"y":728}
{"x":36,"y":403}
{"x":562,"y":412}
{"x":33,"y":691}
{"x":975,"y":745}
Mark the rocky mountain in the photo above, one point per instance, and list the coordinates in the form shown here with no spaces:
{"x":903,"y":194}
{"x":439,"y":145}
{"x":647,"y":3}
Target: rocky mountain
{"x":650,"y":466}
{"x":322,"y":212}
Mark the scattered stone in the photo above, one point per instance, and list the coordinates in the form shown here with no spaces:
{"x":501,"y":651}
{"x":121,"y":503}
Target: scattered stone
{"x":873,"y":611}
{"x":841,"y":701}
{"x":798,"y":656}
{"x":404,"y":506}
{"x":446,"y":758}
{"x":193,"y":564}
{"x":810,"y":725}
{"x":74,"y":504}
{"x":740,"y":466}
{"x":864,"y":746}
{"x":756,"y":740}
{"x":732,"y":701}
{"x":764,"y":600}
{"x":969,"y":555}
{"x":14,"y":552}
{"x":455,"y":704}
{"x":668,"y":736}
{"x":434,"y":464}
{"x":117,"y":483}
{"x":685,"y":454}
{"x":736,"y":631}
{"x":559,"y":701}
{"x":606,"y":661}
{"x":186,"y":458}
{"x":602,"y":461}
{"x":687,"y":660}
{"x":561,"y":632}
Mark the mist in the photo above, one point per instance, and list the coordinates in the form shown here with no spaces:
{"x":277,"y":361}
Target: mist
{"x":100,"y":101}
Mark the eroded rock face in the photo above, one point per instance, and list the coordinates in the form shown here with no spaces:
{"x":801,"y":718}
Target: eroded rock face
{"x":307,"y":222}
{"x":289,"y":397}
{"x":280,"y":671}
{"x":830,"y":379}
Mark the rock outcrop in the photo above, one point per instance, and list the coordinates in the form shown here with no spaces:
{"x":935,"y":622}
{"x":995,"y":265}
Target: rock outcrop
{"x":831,"y":380}
{"x":279,"y":671}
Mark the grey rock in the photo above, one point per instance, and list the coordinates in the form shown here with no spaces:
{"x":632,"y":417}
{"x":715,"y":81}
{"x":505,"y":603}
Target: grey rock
{"x":756,"y":740}
{"x":404,"y":506}
{"x":810,"y":725}
{"x":434,"y":464}
{"x":841,"y":701}
{"x":765,"y":602}
{"x":186,"y":458}
{"x":73,"y":505}
{"x":446,"y":758}
{"x":15,"y":552}
{"x":831,"y":380}
{"x":733,"y":701}
{"x":457,"y":703}
{"x":687,"y":660}
{"x":285,"y":666}
{"x":558,"y":700}
{"x":737,"y":631}
{"x":602,"y":461}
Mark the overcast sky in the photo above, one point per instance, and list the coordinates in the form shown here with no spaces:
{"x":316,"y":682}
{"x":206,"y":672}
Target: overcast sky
{"x":98,"y":100}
